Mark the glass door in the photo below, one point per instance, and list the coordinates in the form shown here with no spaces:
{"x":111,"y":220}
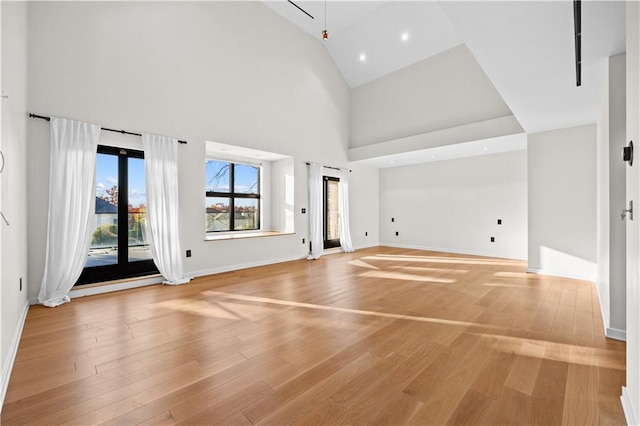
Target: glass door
{"x":331,"y":222}
{"x":119,"y":247}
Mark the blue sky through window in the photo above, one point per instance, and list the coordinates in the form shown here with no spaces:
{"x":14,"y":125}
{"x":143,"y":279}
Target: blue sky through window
{"x":217,"y":177}
{"x":107,"y":177}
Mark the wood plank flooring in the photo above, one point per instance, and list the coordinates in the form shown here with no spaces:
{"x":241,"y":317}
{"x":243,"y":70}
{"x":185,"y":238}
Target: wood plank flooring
{"x":379,"y":336}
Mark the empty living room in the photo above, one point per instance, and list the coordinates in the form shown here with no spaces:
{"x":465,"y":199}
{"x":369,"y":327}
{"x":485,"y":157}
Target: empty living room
{"x":320,"y":212}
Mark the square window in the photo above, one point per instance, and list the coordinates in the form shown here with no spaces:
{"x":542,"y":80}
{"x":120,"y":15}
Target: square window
{"x":232,"y":196}
{"x":245,"y":214}
{"x":246,"y":179}
{"x":218,"y":176}
{"x":218,"y":214}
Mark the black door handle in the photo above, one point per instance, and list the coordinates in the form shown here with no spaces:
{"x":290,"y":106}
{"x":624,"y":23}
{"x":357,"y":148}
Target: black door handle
{"x":627,"y":153}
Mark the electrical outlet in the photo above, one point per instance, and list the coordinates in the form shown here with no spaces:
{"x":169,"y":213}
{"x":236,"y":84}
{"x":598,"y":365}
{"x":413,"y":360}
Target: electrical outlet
{"x":20,"y":283}
{"x":304,"y":210}
{"x":499,"y":221}
{"x":303,"y":240}
{"x":188,"y":253}
{"x":393,"y":219}
{"x":366,"y":234}
{"x":493,"y":239}
{"x":396,"y":233}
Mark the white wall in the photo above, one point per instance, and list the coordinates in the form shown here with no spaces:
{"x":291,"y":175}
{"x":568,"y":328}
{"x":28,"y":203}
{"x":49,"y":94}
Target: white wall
{"x":3,"y":356}
{"x":611,"y":239}
{"x":364,"y":211}
{"x":282,"y":200}
{"x":617,"y":195}
{"x":603,"y":216}
{"x":454,"y":205}
{"x":13,"y":182}
{"x":631,"y":391}
{"x":233,"y":72}
{"x":445,"y":91}
{"x":562,"y":202}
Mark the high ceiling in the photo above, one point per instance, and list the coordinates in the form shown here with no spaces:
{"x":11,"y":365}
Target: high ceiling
{"x":525,"y":48}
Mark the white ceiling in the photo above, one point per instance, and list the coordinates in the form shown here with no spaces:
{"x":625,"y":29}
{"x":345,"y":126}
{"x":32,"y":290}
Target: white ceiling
{"x":526,"y":48}
{"x":374,"y":28}
{"x":527,"y":51}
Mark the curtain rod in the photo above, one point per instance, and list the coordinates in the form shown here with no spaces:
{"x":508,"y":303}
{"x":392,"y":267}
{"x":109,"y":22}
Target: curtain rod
{"x":326,"y":167}
{"x":124,"y":132}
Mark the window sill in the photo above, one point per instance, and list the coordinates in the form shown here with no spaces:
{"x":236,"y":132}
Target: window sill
{"x":238,"y":236}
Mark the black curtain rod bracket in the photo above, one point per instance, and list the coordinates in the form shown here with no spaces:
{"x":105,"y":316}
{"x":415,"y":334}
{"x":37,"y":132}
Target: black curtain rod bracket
{"x":326,"y":167}
{"x":124,"y":132}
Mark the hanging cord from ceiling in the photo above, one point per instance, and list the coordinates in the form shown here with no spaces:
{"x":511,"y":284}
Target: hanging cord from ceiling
{"x":325,"y":33}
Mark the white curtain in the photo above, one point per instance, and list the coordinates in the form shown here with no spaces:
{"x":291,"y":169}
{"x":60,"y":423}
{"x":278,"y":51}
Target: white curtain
{"x":72,"y":200}
{"x":343,"y":211}
{"x":161,"y":169}
{"x":315,"y":211}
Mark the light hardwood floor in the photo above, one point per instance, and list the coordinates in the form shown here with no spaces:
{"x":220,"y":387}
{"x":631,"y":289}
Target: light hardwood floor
{"x":380,"y":336}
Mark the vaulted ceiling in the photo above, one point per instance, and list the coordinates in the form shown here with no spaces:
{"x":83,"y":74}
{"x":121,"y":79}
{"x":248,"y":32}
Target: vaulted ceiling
{"x":526,"y":48}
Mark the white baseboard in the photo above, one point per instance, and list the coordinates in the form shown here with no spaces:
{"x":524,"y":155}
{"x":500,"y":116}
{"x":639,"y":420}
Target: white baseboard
{"x":627,"y":407}
{"x":611,"y":333}
{"x":237,"y":267}
{"x":576,"y":276}
{"x":455,"y":251}
{"x":11,"y":355}
{"x":614,"y":333}
{"x":364,"y":246}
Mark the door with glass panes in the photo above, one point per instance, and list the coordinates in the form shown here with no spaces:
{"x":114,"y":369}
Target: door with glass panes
{"x":331,"y":225}
{"x":119,"y":246}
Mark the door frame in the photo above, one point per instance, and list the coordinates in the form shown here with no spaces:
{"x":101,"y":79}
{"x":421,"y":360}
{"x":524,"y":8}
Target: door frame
{"x":328,"y":244}
{"x":123,"y":269}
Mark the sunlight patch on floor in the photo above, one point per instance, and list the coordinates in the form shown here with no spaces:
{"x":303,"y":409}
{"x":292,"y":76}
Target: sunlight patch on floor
{"x":530,"y":287}
{"x":426,"y":269}
{"x":406,"y":277}
{"x":519,"y":275}
{"x":200,"y":307}
{"x":433,"y":259}
{"x":258,"y":299}
{"x":573,"y":354}
{"x":362,"y":264}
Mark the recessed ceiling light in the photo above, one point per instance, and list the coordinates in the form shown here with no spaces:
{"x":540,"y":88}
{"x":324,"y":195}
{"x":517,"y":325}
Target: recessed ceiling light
{"x":433,"y":156}
{"x":404,"y":36}
{"x":390,"y":162}
{"x":363,"y":57}
{"x":484,"y":149}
